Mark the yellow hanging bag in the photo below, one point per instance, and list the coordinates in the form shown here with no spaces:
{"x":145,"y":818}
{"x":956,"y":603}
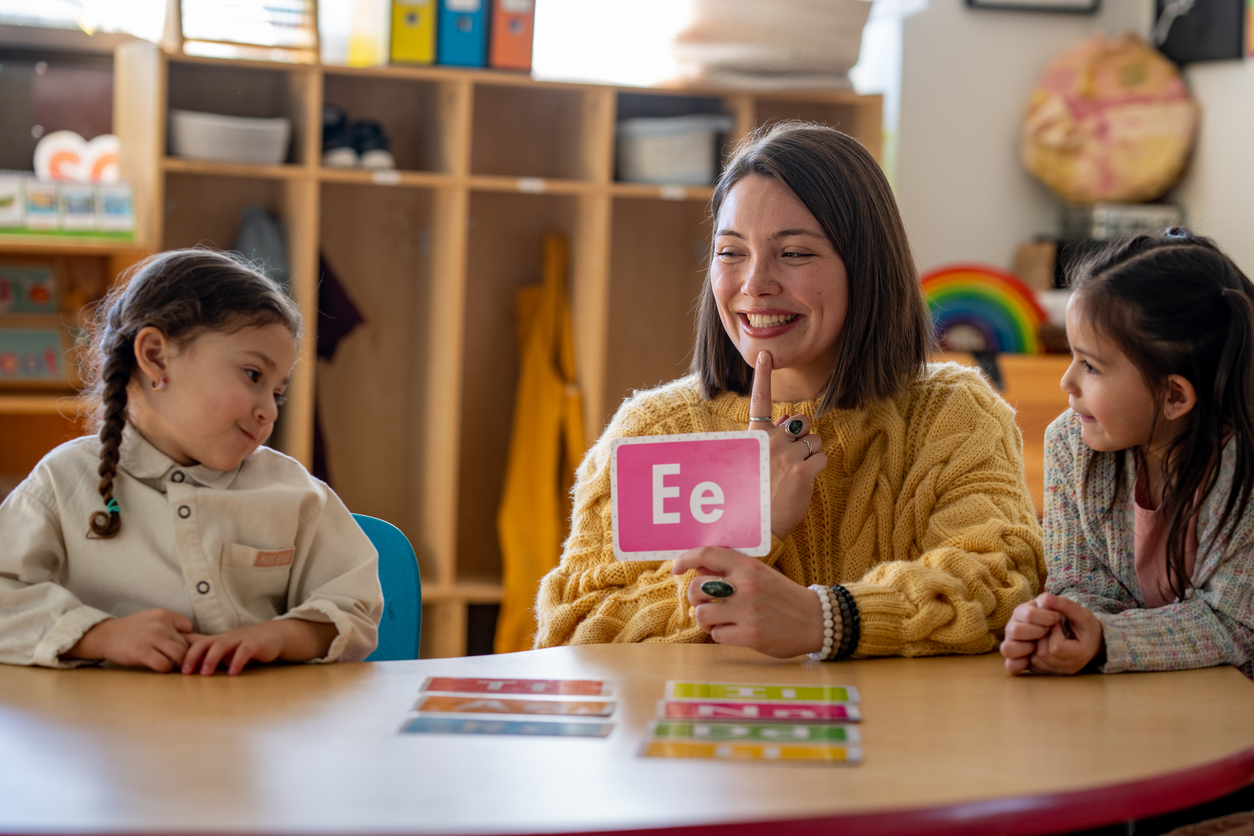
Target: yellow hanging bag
{"x":546,"y":444}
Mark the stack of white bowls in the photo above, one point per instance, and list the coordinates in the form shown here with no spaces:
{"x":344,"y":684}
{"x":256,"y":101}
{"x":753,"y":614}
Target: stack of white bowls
{"x":209,"y":136}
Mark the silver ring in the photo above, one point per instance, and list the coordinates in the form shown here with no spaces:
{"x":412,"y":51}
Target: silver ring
{"x":718,"y":589}
{"x":794,"y":426}
{"x":758,"y":420}
{"x":806,"y":441}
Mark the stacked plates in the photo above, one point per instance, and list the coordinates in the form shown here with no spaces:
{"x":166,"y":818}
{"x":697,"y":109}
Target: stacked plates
{"x":208,"y":136}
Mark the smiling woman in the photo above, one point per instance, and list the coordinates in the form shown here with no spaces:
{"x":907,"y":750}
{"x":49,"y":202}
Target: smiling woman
{"x":900,"y":520}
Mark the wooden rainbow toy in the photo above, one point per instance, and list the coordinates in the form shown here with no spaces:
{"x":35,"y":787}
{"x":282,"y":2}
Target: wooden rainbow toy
{"x":996,"y":304}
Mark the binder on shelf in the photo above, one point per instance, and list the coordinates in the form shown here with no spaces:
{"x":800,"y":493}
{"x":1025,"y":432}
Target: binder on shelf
{"x":463,"y":33}
{"x":513,"y":25}
{"x":413,"y":31}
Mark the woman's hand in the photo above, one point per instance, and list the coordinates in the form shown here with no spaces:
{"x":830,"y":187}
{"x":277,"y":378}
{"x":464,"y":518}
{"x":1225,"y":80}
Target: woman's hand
{"x":155,"y":639}
{"x":1051,"y":635}
{"x":795,"y":459}
{"x":289,"y":639}
{"x":766,"y":612}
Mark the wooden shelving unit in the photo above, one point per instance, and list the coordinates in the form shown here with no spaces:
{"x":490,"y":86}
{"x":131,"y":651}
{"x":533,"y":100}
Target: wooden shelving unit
{"x":35,"y":420}
{"x":416,"y":405}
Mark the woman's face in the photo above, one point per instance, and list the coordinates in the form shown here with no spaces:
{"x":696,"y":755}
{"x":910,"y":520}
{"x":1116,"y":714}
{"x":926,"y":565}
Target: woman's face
{"x":780,"y":285}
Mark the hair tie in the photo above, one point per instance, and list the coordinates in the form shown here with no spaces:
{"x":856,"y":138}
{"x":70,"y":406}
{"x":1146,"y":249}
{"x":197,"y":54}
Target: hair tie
{"x":112,"y":507}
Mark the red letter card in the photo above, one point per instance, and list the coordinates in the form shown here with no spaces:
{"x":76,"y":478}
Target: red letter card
{"x":672,"y":493}
{"x":523,"y":687}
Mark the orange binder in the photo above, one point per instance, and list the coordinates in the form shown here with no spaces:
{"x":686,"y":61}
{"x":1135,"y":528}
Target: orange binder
{"x":513,"y":24}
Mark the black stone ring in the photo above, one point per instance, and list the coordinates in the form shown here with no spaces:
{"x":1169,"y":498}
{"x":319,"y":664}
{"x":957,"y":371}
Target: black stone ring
{"x":795,"y":427}
{"x":718,"y":589}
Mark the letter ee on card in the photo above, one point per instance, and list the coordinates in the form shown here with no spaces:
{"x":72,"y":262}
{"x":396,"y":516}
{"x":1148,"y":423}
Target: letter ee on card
{"x":672,"y":493}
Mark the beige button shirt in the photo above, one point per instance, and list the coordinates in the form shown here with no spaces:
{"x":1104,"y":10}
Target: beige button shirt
{"x":226,"y":549}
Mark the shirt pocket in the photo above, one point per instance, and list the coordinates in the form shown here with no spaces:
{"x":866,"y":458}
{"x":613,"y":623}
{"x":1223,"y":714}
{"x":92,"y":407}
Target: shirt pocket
{"x":256,"y":580}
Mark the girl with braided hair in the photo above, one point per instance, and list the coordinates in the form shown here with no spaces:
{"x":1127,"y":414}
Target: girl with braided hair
{"x":1149,"y":518}
{"x":173,"y":539}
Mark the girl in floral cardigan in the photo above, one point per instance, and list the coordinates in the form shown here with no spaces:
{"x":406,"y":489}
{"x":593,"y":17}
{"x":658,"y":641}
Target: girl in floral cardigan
{"x":1149,"y":527}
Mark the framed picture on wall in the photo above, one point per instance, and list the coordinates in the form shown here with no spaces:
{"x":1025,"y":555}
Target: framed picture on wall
{"x":1086,"y":7}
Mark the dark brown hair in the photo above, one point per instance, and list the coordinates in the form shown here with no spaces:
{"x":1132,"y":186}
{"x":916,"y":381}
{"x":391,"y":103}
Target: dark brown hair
{"x":887,"y":333}
{"x":183,"y":294}
{"x":1175,"y":304}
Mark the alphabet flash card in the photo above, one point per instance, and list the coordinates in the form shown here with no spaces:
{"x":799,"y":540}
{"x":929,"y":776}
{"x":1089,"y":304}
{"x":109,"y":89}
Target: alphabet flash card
{"x":672,"y":493}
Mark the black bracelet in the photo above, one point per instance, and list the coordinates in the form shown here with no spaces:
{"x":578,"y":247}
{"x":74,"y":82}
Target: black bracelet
{"x":852,"y":621}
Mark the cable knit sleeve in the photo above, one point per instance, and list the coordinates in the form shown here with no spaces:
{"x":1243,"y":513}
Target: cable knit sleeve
{"x":965,"y":542}
{"x":592,"y":597}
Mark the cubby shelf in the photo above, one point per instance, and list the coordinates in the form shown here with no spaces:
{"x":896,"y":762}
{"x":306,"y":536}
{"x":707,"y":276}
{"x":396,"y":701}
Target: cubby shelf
{"x":415,"y":406}
{"x":65,"y":404}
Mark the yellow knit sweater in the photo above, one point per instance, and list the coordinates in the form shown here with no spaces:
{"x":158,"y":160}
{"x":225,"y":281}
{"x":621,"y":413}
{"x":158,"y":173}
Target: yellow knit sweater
{"x":922,"y":513}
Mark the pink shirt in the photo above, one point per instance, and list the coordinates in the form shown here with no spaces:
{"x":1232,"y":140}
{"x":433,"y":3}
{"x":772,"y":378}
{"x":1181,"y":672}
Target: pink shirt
{"x":1149,"y":534}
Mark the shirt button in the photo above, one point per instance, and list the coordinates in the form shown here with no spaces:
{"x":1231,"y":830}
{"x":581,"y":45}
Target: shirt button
{"x":178,"y":476}
{"x":203,"y":587}
{"x":184,"y":511}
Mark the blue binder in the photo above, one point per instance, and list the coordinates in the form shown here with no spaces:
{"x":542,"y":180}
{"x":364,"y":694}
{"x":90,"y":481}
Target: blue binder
{"x":463,"y":33}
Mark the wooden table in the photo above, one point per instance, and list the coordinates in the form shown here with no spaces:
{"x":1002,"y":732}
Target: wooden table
{"x":951,"y":745}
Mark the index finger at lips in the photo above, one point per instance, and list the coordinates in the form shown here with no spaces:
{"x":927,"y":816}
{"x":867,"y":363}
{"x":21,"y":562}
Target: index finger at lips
{"x":760,"y":399}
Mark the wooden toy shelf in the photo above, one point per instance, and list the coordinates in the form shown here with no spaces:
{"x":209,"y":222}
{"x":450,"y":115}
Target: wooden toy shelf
{"x":416,"y":404}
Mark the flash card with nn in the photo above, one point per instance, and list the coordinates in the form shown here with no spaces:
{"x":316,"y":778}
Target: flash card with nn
{"x":672,"y":493}
{"x":791,"y":712}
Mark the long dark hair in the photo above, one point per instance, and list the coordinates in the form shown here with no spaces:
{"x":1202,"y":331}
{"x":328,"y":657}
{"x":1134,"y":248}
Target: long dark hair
{"x":183,"y":294}
{"x":887,"y":333}
{"x":1175,"y":304}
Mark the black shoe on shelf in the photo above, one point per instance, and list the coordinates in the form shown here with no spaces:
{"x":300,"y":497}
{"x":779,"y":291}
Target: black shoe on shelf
{"x":371,"y":145}
{"x":337,"y":139}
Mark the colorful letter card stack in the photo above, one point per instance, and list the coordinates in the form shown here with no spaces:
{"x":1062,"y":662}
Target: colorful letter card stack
{"x":545,"y":707}
{"x":766,"y":722}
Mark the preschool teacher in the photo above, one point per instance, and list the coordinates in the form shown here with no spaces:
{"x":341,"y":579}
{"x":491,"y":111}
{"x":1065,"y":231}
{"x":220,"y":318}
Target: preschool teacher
{"x":901,"y":522}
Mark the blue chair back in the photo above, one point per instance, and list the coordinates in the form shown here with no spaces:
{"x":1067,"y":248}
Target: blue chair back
{"x":401,"y":626}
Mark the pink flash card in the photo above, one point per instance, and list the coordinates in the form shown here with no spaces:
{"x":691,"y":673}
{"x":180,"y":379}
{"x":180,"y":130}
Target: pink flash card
{"x":519,"y":687}
{"x":672,"y":493}
{"x":797,"y":712}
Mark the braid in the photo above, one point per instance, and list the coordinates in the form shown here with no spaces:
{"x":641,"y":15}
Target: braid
{"x":119,"y":365}
{"x":181,"y":293}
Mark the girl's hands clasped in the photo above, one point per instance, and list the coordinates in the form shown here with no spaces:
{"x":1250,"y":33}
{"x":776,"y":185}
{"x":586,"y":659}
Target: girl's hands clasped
{"x":163,"y":641}
{"x":1051,"y":635}
{"x":289,"y":639}
{"x":756,"y":606}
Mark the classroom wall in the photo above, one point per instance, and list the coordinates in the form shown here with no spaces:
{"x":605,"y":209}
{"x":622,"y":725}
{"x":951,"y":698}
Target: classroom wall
{"x":966,"y":77}
{"x":1218,"y":189}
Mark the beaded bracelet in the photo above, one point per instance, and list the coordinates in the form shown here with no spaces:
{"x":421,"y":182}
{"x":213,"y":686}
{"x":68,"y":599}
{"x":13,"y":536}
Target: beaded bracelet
{"x":833,"y":630}
{"x":851,"y":621}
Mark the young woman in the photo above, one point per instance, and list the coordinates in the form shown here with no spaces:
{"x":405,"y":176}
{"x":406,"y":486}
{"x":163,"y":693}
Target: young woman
{"x":901,"y":521}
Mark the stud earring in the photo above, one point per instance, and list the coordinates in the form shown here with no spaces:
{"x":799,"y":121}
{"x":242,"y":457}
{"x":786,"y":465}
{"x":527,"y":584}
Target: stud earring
{"x":158,"y":384}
